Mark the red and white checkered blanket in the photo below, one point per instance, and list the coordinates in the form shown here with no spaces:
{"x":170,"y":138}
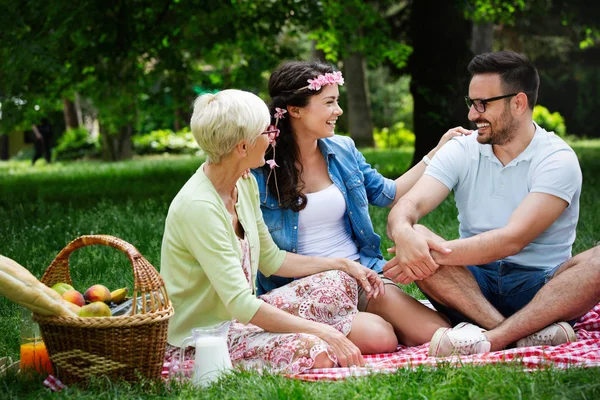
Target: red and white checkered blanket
{"x":583,"y":353}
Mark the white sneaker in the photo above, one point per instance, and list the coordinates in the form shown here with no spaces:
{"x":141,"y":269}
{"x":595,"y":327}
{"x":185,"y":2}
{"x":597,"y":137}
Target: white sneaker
{"x":463,"y":339}
{"x":552,"y":335}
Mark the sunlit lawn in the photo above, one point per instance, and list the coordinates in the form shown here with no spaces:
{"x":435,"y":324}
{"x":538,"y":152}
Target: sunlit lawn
{"x":44,"y":207}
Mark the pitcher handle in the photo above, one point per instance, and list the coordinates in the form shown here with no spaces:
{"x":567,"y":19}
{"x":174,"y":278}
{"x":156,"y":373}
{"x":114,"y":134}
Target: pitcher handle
{"x":178,"y":365}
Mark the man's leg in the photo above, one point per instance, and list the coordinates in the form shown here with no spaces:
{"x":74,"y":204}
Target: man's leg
{"x":456,"y":288}
{"x":573,"y":291}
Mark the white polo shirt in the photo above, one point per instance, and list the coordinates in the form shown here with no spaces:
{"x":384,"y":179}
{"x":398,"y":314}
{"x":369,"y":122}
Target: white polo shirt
{"x":487,"y":193}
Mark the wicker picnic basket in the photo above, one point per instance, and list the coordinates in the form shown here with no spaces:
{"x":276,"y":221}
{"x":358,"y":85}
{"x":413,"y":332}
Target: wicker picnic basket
{"x":123,"y":347}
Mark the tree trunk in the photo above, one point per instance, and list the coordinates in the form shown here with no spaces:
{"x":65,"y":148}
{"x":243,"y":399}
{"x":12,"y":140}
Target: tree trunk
{"x":109,"y":152}
{"x":359,"y":105}
{"x":4,"y":143}
{"x":438,"y":69}
{"x":78,"y":109}
{"x":482,"y":38}
{"x":70,"y":113}
{"x":125,"y":143}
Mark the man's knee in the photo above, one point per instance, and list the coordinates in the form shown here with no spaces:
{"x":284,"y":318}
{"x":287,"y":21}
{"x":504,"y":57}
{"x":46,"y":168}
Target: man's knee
{"x":444,"y":274}
{"x":595,"y":262}
{"x":446,"y":280}
{"x":596,"y":254}
{"x":435,"y":285}
{"x":589,"y":258}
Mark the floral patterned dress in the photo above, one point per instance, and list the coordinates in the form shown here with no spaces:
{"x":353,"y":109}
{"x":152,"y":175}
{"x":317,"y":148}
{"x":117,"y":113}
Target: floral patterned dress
{"x":328,"y":297}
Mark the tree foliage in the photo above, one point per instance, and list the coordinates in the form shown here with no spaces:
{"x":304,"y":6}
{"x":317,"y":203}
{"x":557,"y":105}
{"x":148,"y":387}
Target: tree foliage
{"x":140,"y":63}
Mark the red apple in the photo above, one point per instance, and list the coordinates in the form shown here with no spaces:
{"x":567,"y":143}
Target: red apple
{"x":73,"y":296}
{"x":97,"y":293}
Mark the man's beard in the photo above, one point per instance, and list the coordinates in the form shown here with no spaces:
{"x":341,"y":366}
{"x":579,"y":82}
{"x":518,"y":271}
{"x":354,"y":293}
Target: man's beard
{"x":503,"y":135}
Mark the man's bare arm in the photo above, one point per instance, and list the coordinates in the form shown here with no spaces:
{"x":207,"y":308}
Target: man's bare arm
{"x":424,"y":197}
{"x":533,"y":216}
{"x":412,"y":249}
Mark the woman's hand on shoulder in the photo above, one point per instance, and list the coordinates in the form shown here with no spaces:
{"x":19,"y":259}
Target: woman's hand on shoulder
{"x":454,"y":132}
{"x":367,"y":278}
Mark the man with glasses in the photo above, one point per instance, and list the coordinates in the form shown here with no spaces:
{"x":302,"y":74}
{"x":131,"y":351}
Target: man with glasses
{"x":510,"y":279}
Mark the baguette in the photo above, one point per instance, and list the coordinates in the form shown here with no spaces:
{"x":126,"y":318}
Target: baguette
{"x":20,"y":286}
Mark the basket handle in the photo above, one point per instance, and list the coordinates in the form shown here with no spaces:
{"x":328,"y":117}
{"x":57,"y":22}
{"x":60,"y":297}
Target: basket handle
{"x":146,"y":280}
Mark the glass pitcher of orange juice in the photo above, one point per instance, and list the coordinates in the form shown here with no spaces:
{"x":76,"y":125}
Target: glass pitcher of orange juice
{"x":34,"y":355}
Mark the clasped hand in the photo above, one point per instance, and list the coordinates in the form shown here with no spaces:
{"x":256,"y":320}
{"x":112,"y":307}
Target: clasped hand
{"x":413,"y":260}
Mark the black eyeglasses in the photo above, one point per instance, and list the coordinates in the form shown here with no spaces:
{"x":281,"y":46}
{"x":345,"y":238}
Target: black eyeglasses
{"x":479,"y":104}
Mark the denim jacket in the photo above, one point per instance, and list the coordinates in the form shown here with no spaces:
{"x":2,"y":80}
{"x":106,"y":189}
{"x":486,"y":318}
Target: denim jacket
{"x":360,"y":185}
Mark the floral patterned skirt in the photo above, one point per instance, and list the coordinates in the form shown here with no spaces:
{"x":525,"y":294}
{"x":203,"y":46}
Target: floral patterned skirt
{"x":328,"y":297}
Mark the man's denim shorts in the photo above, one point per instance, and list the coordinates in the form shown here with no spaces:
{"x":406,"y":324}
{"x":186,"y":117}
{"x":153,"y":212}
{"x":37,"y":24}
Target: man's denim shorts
{"x":508,"y":287}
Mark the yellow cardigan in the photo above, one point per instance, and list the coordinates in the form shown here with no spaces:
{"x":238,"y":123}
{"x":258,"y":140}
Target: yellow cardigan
{"x":201,"y":256}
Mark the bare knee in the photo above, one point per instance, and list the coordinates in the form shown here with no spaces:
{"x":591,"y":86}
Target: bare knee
{"x":386,"y":341}
{"x":372,"y":334}
{"x":447,"y":282}
{"x":441,"y":276}
{"x":595,"y":257}
{"x":322,"y":360}
{"x":589,"y":259}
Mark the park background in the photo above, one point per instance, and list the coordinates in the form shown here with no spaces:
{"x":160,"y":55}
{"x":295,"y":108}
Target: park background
{"x":123,"y":84}
{"x":117,"y":80}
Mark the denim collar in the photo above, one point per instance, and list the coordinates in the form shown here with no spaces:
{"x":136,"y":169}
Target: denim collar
{"x":326,"y":150}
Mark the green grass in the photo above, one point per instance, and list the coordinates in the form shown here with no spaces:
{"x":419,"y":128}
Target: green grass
{"x":42,"y":208}
{"x":468,"y":382}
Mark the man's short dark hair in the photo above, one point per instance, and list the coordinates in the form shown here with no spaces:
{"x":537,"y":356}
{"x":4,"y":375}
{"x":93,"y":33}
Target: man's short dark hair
{"x":517,"y":73}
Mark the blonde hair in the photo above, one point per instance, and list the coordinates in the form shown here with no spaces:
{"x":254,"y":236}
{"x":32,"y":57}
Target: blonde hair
{"x":220,"y":121}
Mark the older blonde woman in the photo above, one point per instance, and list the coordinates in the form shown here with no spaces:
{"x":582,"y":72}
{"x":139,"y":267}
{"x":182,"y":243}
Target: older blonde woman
{"x":215,"y":240}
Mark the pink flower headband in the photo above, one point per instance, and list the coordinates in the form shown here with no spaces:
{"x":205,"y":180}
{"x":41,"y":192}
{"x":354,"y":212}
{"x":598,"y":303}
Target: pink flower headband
{"x":323,"y":80}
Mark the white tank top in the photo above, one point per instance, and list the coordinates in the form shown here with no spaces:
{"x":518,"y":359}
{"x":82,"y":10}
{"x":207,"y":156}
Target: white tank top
{"x":322,"y":231}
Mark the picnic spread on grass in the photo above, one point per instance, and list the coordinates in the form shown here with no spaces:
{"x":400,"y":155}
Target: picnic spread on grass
{"x":583,"y":353}
{"x":129,"y":342}
{"x":85,"y":339}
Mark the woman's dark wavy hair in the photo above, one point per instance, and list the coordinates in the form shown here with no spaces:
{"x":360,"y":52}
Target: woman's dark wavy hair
{"x":285,"y":89}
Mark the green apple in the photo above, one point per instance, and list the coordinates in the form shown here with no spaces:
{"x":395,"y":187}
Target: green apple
{"x":62,"y":287}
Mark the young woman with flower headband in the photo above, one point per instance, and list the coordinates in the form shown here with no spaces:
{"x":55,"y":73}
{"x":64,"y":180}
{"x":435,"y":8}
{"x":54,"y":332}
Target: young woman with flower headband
{"x":215,"y":240}
{"x":315,"y":193}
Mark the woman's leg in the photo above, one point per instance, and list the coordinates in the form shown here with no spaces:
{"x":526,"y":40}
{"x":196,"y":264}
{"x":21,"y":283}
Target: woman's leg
{"x":327,"y":297}
{"x":372,"y":334}
{"x":250,"y":347}
{"x":413,"y":322}
{"x":323,"y":361}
